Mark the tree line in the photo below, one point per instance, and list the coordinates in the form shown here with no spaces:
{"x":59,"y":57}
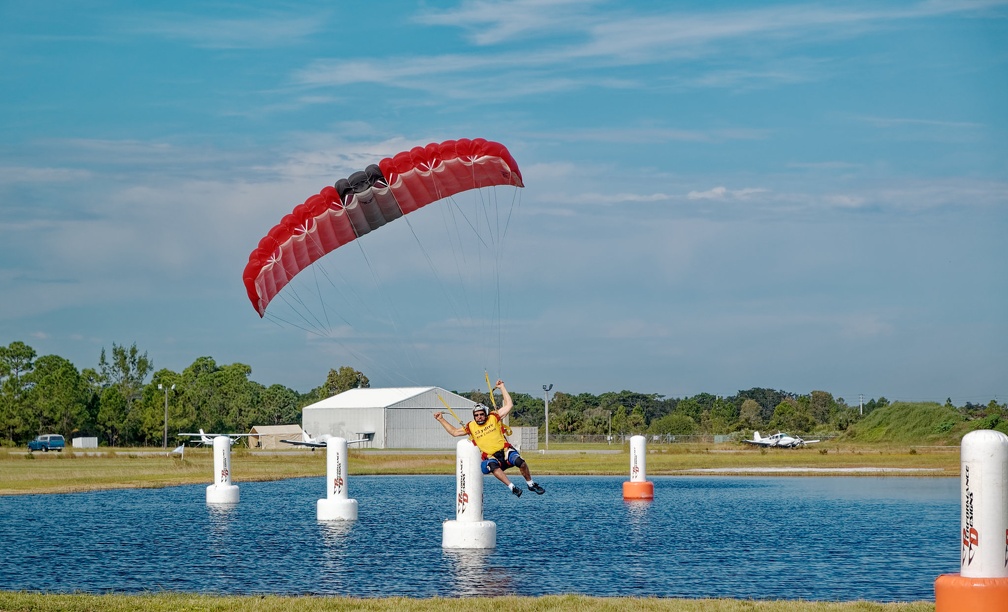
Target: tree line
{"x":124,"y":400}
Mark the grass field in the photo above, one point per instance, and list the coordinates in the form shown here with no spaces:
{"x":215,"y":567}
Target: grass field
{"x":110,"y":468}
{"x":174,"y":602}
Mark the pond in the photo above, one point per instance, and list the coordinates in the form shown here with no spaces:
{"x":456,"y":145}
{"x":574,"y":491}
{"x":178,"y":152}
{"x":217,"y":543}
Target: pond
{"x":829,"y":538}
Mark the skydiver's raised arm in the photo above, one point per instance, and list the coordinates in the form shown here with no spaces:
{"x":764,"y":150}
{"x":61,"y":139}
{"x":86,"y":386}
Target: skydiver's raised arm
{"x":507,"y":405}
{"x":455,"y":431}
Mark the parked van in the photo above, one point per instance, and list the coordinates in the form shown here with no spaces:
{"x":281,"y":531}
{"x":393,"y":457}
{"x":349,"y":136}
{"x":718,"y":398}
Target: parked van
{"x":47,"y":442}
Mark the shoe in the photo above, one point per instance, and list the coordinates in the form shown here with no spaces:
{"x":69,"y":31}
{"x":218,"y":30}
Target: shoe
{"x":516,"y":491}
{"x":537,"y":488}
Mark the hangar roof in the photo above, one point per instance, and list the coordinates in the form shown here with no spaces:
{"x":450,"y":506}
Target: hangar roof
{"x":379,"y":398}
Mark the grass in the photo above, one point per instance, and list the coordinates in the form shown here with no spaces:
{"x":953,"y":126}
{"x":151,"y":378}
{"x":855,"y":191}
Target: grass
{"x":181,"y":602}
{"x":74,"y":471}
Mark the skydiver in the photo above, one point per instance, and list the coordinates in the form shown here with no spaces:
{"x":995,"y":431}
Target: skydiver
{"x":486,"y":432}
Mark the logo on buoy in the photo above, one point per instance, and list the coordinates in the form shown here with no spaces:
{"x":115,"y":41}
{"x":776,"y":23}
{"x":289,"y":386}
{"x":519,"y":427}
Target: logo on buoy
{"x":338,"y":480}
{"x":224,"y":475}
{"x":970,"y":536}
{"x":463,"y":495}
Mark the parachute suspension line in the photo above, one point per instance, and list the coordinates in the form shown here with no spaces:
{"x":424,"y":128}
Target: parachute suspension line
{"x":281,"y":322}
{"x":493,"y":322}
{"x":459,"y":256}
{"x":318,"y":290}
{"x":515,"y":197}
{"x":300,"y":307}
{"x":291,"y":298}
{"x":388,"y":303}
{"x":433,"y":268}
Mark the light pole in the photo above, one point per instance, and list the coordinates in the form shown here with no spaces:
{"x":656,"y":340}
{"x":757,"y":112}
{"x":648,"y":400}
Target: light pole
{"x":160,"y":386}
{"x":546,"y":390}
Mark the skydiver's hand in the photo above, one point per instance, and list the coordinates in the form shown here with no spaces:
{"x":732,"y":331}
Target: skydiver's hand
{"x":500,"y":384}
{"x":438,"y":415}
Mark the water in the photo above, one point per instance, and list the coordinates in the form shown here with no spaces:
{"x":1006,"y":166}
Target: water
{"x":835,"y":538}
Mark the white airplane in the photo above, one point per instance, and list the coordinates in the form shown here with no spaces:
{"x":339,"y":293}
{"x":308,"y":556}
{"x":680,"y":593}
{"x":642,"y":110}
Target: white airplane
{"x":308,"y":440}
{"x":206,"y":439}
{"x":779,"y":440}
{"x":320,"y":442}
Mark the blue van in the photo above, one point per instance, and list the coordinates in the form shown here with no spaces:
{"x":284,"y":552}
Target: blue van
{"x":47,"y":442}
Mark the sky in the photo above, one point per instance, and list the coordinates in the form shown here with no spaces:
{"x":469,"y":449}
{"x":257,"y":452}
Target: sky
{"x":718,"y":195}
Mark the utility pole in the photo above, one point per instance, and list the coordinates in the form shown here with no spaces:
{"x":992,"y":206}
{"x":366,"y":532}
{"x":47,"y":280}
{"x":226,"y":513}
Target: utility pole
{"x":160,"y":386}
{"x":546,"y":390}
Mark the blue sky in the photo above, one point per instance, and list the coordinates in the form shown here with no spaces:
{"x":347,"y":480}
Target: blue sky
{"x":719,"y":195}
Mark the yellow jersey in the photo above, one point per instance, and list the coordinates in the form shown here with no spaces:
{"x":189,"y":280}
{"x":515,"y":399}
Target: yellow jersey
{"x":488,"y":436}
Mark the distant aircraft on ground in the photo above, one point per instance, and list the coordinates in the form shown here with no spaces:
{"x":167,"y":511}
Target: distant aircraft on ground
{"x":206,"y":439}
{"x":779,"y":440}
{"x":308,"y":440}
{"x":320,"y":442}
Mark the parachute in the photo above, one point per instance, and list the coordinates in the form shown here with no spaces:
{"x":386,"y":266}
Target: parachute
{"x":367,"y":200}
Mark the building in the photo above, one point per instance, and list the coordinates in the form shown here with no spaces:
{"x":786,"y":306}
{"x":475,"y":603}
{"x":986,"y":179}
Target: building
{"x":396,"y":418}
{"x":269,"y":436}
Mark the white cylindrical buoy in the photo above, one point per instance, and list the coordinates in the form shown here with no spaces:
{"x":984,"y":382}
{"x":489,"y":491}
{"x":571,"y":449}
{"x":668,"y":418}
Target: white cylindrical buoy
{"x":337,"y":505}
{"x":468,"y":530}
{"x":638,"y":487}
{"x":222,"y":491}
{"x":982,"y":582}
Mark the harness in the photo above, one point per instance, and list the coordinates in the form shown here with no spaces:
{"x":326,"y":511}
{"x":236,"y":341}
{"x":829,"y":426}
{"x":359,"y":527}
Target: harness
{"x":502,"y":430}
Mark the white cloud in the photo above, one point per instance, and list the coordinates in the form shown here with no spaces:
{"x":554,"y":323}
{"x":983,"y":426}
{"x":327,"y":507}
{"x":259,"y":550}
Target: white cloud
{"x":723,"y":193}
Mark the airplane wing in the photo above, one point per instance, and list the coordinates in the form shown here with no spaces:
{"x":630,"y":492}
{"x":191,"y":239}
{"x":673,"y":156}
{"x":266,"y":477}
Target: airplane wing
{"x":305,"y":443}
{"x":320,"y":444}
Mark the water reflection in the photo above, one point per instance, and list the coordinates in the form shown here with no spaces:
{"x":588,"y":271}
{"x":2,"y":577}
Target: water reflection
{"x":221,"y":517}
{"x":637,"y":510}
{"x":337,"y":556}
{"x":473,"y":575}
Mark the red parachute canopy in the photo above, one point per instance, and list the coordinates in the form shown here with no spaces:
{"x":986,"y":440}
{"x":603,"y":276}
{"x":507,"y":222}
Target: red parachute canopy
{"x":367,"y":200}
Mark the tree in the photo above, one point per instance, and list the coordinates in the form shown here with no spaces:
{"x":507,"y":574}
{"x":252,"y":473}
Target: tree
{"x":821,"y":406}
{"x":750,"y":415}
{"x":219,"y":397}
{"x":111,"y":415}
{"x":566,"y":422}
{"x":58,"y":396}
{"x":789,"y":416}
{"x":768,"y":400}
{"x":635,"y":422}
{"x":691,"y":408}
{"x":674,"y":424}
{"x":16,"y":361}
{"x":341,"y":380}
{"x":278,"y":406}
{"x":125,"y":374}
{"x":723,"y":416}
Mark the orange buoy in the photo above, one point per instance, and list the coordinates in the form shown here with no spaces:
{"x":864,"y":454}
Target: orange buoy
{"x":638,"y":487}
{"x":957,"y":593}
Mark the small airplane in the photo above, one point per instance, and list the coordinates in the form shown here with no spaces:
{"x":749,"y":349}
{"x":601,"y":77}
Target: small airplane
{"x":320,"y":442}
{"x":308,"y":440}
{"x":206,"y":439}
{"x":779,"y":440}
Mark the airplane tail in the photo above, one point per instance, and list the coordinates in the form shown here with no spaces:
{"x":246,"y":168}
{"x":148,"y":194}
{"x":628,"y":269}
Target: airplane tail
{"x":756,"y":437}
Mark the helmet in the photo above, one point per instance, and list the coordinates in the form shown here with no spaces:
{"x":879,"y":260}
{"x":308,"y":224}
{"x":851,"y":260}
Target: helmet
{"x":480,"y":408}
